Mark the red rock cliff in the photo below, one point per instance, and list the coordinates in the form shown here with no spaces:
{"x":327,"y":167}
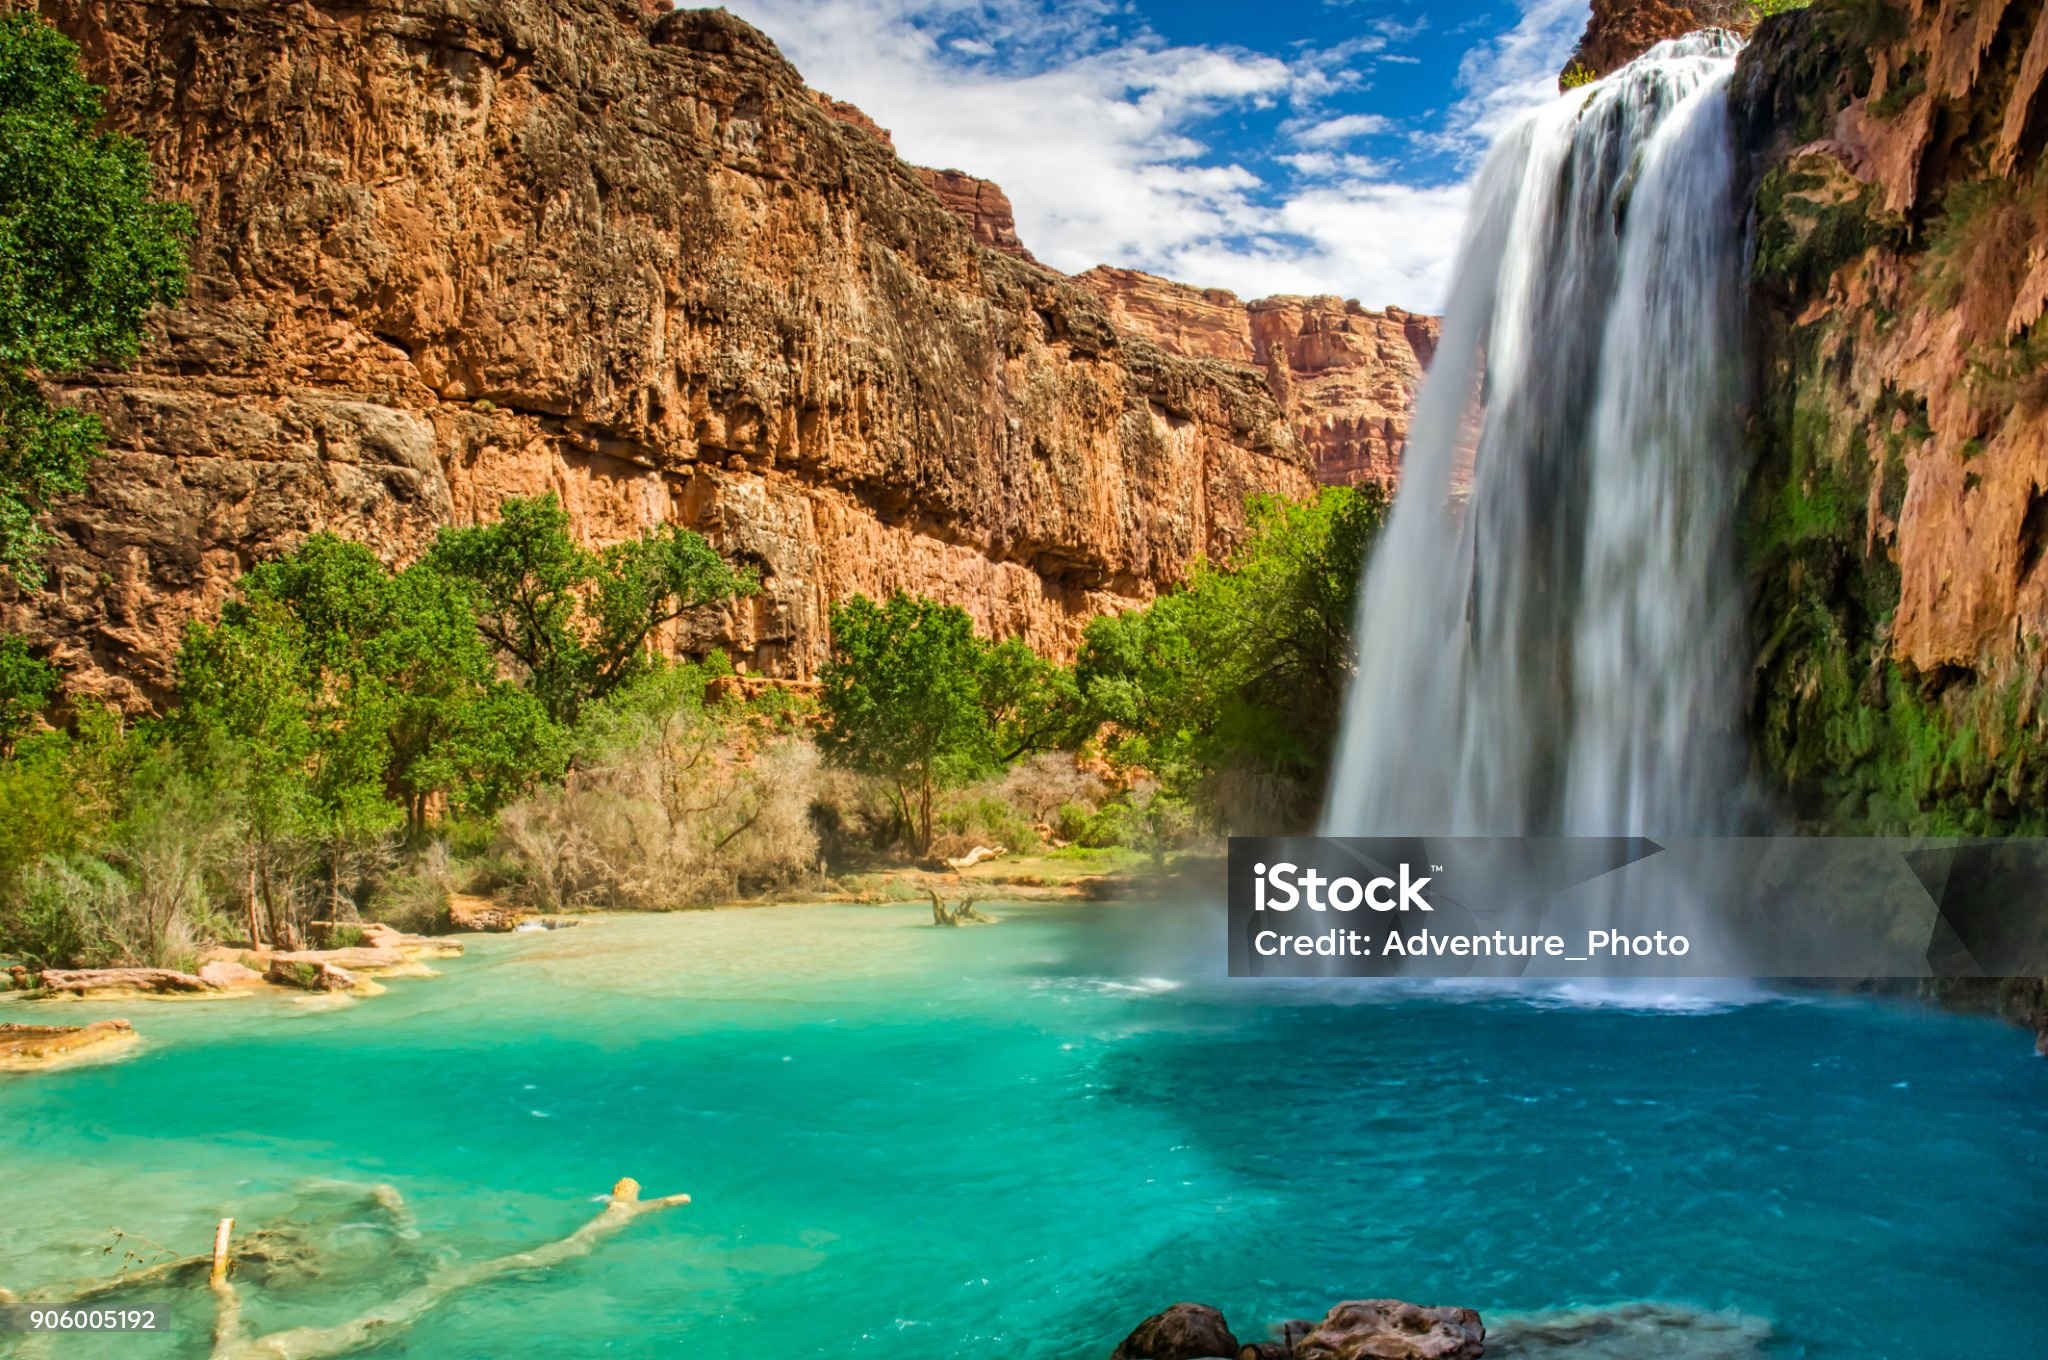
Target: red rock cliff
{"x":1347,"y":377}
{"x":454,"y":250}
{"x":1898,"y":510}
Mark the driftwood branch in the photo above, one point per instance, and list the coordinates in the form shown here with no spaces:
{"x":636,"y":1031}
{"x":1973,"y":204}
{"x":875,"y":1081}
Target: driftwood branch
{"x":381,"y":1323}
{"x":230,"y":1338}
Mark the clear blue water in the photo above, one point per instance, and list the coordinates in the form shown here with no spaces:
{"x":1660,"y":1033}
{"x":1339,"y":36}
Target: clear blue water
{"x":1016,"y":1141}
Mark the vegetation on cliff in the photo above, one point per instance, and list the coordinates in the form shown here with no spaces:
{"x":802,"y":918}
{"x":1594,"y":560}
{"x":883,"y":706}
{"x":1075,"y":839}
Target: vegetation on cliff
{"x":86,"y":249}
{"x":1892,"y":518}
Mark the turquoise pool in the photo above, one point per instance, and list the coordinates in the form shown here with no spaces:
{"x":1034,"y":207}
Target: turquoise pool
{"x":1015,"y":1141}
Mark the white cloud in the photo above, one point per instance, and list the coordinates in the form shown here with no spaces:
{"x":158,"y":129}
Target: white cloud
{"x":1342,"y":129}
{"x":1098,"y":133}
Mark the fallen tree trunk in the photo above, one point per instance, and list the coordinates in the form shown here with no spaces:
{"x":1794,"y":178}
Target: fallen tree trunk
{"x":380,"y":1324}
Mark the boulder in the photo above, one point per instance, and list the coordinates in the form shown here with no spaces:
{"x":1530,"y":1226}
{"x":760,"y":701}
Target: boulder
{"x":229,"y":973}
{"x":477,"y":913}
{"x":1186,"y":1331}
{"x":1388,"y":1329}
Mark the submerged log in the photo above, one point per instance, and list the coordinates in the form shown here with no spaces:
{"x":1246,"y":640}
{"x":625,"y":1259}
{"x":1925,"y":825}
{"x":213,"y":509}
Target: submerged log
{"x":962,"y":915}
{"x":216,"y":1270}
{"x":382,"y":1323}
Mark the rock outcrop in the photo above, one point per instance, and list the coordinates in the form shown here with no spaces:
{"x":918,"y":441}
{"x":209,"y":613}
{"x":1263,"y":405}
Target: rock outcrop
{"x":1388,"y":1329}
{"x":449,"y":251}
{"x":1362,"y":1329}
{"x":1186,"y":1331}
{"x":1622,"y":30}
{"x":40,"y":1048}
{"x":1346,"y":377}
{"x":1896,"y":521}
{"x":120,"y":982}
{"x":979,"y":204}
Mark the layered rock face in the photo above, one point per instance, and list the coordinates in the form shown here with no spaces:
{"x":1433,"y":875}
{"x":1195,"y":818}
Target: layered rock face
{"x":454,"y":250}
{"x":1347,"y":377}
{"x":980,"y":204}
{"x":1897,"y":514}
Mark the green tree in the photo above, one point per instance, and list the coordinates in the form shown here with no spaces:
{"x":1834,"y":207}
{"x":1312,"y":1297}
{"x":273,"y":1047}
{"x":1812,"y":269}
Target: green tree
{"x":349,"y":697}
{"x":577,"y":622}
{"x":1242,"y":673}
{"x":86,"y":250}
{"x":902,"y":694}
{"x":26,"y":684}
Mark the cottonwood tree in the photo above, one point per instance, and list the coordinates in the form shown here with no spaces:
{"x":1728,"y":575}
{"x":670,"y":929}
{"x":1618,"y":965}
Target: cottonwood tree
{"x":577,"y":622}
{"x":1240,"y":675}
{"x":902,"y":695}
{"x":348,"y":698}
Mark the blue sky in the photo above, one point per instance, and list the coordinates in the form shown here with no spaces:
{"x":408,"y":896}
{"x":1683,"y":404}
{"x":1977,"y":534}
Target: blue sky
{"x":1266,"y":146}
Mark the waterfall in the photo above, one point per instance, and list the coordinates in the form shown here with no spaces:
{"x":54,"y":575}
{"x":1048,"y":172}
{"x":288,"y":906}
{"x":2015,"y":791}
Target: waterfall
{"x":1550,"y":629}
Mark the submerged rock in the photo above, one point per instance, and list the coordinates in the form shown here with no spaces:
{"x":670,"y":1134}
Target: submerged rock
{"x":1388,"y":1329}
{"x":1286,"y":1336}
{"x":1186,"y":1331}
{"x":229,"y":973}
{"x":1630,"y":1331}
{"x":28,"y":1048}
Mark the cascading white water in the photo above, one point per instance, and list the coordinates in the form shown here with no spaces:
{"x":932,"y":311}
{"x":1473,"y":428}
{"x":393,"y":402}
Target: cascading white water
{"x":1549,"y":628}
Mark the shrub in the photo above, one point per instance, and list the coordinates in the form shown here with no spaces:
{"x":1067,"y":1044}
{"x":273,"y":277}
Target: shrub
{"x":1043,"y":785}
{"x":677,"y":806}
{"x":82,"y":912}
{"x":1071,"y":822}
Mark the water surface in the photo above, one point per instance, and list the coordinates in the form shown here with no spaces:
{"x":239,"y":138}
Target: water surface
{"x":1015,"y":1141}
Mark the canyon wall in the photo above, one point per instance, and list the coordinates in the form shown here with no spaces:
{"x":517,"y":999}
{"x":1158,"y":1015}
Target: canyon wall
{"x":1896,"y":517}
{"x":1346,"y":376}
{"x":454,"y":250}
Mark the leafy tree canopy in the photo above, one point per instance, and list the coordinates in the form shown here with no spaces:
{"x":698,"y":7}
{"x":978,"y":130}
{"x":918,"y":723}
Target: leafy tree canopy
{"x":913,"y":696}
{"x":86,"y":250}
{"x":578,"y":622}
{"x":1243,"y":673}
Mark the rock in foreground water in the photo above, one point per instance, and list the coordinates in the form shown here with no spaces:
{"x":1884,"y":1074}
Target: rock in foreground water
{"x":1361,"y":1329}
{"x":93,"y":981}
{"x":1388,"y":1329}
{"x":1186,"y":1331}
